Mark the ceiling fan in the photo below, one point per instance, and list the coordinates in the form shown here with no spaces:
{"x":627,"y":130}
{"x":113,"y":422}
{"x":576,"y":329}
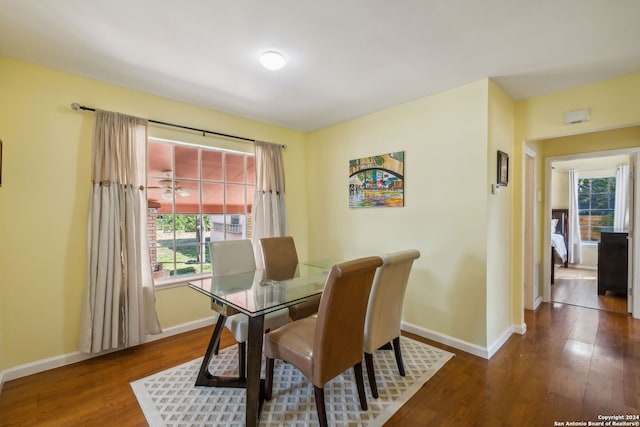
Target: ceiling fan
{"x":169,"y":186}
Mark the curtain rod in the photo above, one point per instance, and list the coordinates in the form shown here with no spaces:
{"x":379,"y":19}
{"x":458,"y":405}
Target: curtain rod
{"x":204,"y":132}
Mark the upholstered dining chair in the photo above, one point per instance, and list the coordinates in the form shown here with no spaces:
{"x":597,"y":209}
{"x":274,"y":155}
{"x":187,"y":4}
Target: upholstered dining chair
{"x":280,"y":261}
{"x":234,"y":257}
{"x":384,"y":311}
{"x":324,"y":346}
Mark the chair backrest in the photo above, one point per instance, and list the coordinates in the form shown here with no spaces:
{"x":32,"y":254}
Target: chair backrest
{"x":337,"y":344}
{"x":232,"y":257}
{"x":279,"y":256}
{"x":384,"y":311}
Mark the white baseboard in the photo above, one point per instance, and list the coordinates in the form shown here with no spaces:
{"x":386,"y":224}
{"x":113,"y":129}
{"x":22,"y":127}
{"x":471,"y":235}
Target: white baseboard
{"x":180,"y":329}
{"x":537,"y":302}
{"x":67,"y":359}
{"x":520,"y":329}
{"x":476,"y":350}
{"x":446,"y":340}
{"x":497,"y":344}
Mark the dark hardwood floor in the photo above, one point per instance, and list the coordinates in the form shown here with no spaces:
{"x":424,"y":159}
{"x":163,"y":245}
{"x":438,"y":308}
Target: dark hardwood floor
{"x":573,"y":364}
{"x":579,"y":286}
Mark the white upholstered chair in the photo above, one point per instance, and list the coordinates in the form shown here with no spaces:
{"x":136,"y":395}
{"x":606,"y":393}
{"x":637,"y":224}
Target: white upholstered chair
{"x":384,"y":312}
{"x":234,"y":257}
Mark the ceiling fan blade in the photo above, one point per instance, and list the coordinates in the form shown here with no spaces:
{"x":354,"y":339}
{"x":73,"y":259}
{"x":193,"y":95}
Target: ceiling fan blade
{"x":191,"y":190}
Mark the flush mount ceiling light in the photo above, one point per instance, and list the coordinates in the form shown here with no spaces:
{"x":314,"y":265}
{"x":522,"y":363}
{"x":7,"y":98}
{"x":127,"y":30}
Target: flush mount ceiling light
{"x":272,"y":60}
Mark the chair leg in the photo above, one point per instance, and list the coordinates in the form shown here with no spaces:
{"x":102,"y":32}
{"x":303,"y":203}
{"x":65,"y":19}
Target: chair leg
{"x":318,"y":392}
{"x":368,"y":360}
{"x":242,"y":360}
{"x":268,"y":386}
{"x":357,"y":369}
{"x":396,"y":349}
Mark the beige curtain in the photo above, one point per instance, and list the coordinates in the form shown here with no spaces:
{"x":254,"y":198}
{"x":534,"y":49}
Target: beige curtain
{"x":621,"y":207}
{"x":119,"y":302}
{"x":269,"y":212}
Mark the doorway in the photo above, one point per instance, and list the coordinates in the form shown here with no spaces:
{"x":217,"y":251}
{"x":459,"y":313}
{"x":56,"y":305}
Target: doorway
{"x":577,"y":283}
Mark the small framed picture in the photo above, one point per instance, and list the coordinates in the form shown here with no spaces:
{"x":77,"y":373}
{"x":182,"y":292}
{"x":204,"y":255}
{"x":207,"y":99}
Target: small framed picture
{"x":503,"y":168}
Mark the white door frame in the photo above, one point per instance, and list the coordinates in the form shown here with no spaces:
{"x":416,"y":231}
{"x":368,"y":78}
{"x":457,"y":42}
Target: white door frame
{"x":634,"y":267}
{"x":532,"y":297}
{"x":633,"y":301}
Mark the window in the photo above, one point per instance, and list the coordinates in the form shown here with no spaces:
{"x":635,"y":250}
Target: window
{"x":196,"y":194}
{"x":596,"y":204}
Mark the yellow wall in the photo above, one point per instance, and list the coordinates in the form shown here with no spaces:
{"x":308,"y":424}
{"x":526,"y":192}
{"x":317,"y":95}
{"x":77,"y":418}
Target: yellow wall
{"x":446,"y":209}
{"x":499,"y":293}
{"x":594,"y":142}
{"x":45,"y":193}
{"x":613,"y":104}
{"x":559,"y":190}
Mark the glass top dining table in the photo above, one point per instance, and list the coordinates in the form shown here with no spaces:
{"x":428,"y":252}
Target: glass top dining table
{"x":255,"y":294}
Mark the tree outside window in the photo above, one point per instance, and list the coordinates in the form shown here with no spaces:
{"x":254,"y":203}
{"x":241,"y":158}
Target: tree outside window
{"x":596,"y":205}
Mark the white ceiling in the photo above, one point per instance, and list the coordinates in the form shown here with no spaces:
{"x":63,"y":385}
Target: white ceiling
{"x":346,"y":58}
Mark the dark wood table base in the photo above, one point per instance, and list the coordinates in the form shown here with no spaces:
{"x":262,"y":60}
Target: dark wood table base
{"x":252,"y":383}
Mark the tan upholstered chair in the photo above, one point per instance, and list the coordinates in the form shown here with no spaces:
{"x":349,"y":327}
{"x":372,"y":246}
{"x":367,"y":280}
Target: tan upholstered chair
{"x":234,"y":257}
{"x":280,"y":261}
{"x":323,"y":347}
{"x":384,"y":312}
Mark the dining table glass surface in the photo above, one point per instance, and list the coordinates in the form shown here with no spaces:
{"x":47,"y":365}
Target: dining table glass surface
{"x":254,"y":294}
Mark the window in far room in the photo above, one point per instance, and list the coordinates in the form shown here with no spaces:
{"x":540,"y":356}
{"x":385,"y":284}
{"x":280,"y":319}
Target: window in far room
{"x":596,"y":205}
{"x":195,"y":194}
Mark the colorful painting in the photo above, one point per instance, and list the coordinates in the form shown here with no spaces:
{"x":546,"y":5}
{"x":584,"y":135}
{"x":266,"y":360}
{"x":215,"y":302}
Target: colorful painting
{"x":377,"y":181}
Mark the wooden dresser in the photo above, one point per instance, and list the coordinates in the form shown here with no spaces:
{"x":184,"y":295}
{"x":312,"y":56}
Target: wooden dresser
{"x":612,"y":263}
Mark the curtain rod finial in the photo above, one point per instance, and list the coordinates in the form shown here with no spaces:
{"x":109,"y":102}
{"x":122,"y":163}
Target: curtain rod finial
{"x":75,"y":106}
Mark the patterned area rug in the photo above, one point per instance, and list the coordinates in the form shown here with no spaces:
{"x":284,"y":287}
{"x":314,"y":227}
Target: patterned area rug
{"x":170,"y":398}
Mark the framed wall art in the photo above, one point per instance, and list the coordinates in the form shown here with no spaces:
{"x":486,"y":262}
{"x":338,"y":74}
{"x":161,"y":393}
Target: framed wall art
{"x":377,"y":181}
{"x":503,"y":168}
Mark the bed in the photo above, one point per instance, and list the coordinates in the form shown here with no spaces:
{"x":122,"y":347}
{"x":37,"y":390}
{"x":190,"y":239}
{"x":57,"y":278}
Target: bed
{"x":559,"y":239}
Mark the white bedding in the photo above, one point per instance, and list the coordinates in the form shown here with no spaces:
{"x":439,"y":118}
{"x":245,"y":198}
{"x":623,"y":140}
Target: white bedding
{"x":557,"y":242}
